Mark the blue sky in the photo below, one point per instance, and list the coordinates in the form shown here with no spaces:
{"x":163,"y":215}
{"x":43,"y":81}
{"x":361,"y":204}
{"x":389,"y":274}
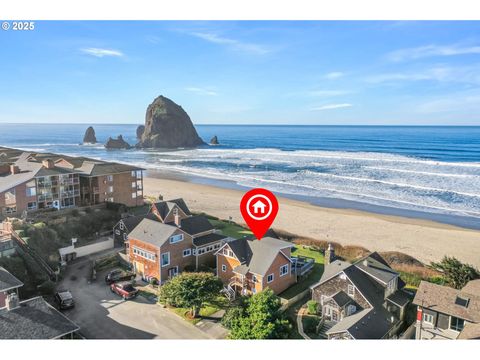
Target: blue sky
{"x":394,"y":73}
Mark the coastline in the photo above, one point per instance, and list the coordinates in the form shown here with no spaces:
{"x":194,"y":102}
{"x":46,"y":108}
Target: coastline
{"x":423,"y":239}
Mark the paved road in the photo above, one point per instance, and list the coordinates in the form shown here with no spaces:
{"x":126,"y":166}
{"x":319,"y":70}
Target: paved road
{"x":103,"y":315}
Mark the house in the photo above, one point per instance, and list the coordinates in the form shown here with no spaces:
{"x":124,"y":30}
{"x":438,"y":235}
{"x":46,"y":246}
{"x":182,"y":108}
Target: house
{"x":447,"y":313}
{"x":29,"y":319}
{"x":126,"y":225}
{"x":31,"y":181}
{"x":172,"y":241}
{"x":363,"y":300}
{"x":247,"y":266}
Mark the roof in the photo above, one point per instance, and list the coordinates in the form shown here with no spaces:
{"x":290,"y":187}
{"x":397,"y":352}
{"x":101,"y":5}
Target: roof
{"x":400,"y":298}
{"x":208,"y":239}
{"x":333,"y":269}
{"x":164,"y":207}
{"x":470,"y":331}
{"x":34,"y":319}
{"x":131,"y":222}
{"x":341,"y":298}
{"x":196,"y":224}
{"x":370,"y":323}
{"x":376,"y":267}
{"x":258,"y":255}
{"x":443,"y":299}
{"x":152,"y":232}
{"x":8,"y":281}
{"x":472,"y":287}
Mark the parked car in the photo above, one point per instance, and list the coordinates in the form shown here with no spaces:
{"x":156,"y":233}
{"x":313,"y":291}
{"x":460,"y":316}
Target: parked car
{"x":125,"y":289}
{"x":119,"y":275}
{"x":64,"y":300}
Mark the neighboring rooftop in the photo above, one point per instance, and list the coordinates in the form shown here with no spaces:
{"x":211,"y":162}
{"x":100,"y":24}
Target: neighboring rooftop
{"x":196,"y":224}
{"x":152,"y":232}
{"x":8,"y":281}
{"x":208,"y":239}
{"x":164,"y":207}
{"x":34,"y":319}
{"x":447,"y":300}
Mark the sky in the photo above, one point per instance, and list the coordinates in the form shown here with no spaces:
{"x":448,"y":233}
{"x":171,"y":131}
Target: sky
{"x":226,"y":72}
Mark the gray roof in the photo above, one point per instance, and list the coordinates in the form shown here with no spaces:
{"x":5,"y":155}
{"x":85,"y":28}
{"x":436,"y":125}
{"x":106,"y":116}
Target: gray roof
{"x":131,"y":222}
{"x":370,"y":289}
{"x":443,"y":299}
{"x":258,"y":255}
{"x":341,"y":298}
{"x":196,"y":224}
{"x":372,"y":323}
{"x":333,"y":269}
{"x":372,"y":265}
{"x":164,"y":207}
{"x":208,"y":239}
{"x":152,"y":232}
{"x":400,"y":298}
{"x":8,"y":281}
{"x":34,"y":319}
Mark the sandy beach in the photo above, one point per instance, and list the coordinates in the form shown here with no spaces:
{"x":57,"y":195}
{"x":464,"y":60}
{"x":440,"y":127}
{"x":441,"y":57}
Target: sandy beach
{"x":425,"y":240}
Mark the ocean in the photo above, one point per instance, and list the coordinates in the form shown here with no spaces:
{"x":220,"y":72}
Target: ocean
{"x":428,"y":172}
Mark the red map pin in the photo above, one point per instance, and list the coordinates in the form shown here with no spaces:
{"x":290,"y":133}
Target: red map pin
{"x":259,"y":207}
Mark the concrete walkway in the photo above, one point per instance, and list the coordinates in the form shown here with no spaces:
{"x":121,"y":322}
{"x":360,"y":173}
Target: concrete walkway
{"x":212,"y":327}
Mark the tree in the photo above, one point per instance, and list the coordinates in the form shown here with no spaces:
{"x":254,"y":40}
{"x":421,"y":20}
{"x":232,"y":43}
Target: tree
{"x":262,"y":319}
{"x":457,"y":274}
{"x":190,"y":290}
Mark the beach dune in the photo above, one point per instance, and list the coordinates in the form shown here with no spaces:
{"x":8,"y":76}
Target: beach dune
{"x":425,"y":240}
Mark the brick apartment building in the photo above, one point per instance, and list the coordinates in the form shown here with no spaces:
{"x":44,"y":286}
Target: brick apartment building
{"x":33,"y":181}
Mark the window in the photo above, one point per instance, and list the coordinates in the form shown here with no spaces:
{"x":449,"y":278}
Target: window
{"x":351,"y":309}
{"x":270,"y":278}
{"x":187,"y":252}
{"x":254,"y":279}
{"x":194,"y":252}
{"x":176,"y":238}
{"x":284,"y":270}
{"x":428,"y":318}
{"x":144,"y":254}
{"x":117,"y":232}
{"x":134,"y":173}
{"x":134,"y":195}
{"x":165,"y":259}
{"x":456,"y":324}
{"x":134,"y":184}
{"x":10,"y":209}
{"x":224,"y":268}
{"x":217,"y":246}
{"x":32,"y":205}
{"x":31,"y":191}
{"x":125,"y":236}
{"x":109,"y":178}
{"x":110,"y":189}
{"x":122,"y":226}
{"x":351,"y":290}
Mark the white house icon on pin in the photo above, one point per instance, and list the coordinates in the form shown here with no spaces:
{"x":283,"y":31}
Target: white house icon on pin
{"x":259,"y":206}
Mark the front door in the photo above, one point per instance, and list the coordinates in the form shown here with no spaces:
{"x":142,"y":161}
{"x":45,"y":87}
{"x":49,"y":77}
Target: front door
{"x":172,"y":272}
{"x":139,"y":268}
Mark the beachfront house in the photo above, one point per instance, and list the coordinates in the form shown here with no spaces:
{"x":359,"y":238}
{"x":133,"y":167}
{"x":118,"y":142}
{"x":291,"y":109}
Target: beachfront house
{"x":447,"y":313}
{"x":363,"y":300}
{"x":248,"y":266}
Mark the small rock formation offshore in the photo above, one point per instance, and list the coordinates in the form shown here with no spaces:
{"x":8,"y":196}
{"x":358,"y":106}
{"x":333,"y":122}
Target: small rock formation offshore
{"x":168,"y":126}
{"x":90,"y":137}
{"x":214,"y":140}
{"x":140,"y":131}
{"x":117,"y":143}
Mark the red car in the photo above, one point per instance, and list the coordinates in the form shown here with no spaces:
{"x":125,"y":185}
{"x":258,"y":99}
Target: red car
{"x":125,"y":289}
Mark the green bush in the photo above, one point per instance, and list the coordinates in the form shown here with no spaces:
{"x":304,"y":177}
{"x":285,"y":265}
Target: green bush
{"x":310,"y":324}
{"x":312,"y":307}
{"x":231,"y":315}
{"x":46,"y":288}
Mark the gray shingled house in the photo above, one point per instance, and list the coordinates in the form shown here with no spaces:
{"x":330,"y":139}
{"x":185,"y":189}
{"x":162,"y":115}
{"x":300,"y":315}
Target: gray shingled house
{"x":447,"y":313}
{"x":363,"y":300}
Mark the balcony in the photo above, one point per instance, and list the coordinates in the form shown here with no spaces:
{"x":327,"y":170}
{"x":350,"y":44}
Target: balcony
{"x":302,"y":265}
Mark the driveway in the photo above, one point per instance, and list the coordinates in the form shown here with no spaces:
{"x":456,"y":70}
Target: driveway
{"x":102,"y":314}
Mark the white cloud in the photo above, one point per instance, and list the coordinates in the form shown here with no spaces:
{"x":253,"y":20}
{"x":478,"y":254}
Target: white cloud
{"x":100,"y":53}
{"x":327,"y":93}
{"x":233,"y":43}
{"x":201,"y":91}
{"x":334,"y":75}
{"x":431,"y":51}
{"x":331,"y":106}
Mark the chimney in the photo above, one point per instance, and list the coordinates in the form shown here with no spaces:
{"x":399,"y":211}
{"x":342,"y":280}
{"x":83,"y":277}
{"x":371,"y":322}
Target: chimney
{"x":48,"y":163}
{"x":14,"y":169}
{"x":12,"y":301}
{"x":329,"y":254}
{"x":176,"y":217}
{"x":4,"y":168}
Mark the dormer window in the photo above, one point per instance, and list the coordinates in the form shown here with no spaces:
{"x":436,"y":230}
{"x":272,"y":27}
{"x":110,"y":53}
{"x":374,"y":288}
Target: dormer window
{"x":351,"y":290}
{"x":176,"y":238}
{"x":462,"y":301}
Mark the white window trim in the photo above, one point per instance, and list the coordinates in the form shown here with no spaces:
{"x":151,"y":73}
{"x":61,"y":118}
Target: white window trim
{"x":188,"y":254}
{"x":161,"y":259}
{"x":353,"y":290}
{"x":148,"y":255}
{"x":224,"y":268}
{"x":428,"y":316}
{"x":273,"y":278}
{"x":281,"y":267}
{"x":177,"y":241}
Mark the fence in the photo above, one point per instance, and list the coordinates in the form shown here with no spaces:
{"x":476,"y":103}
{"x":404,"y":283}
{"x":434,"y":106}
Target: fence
{"x":70,"y":252}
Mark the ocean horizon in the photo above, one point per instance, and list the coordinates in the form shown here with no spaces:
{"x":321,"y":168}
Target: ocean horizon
{"x":412,"y":170}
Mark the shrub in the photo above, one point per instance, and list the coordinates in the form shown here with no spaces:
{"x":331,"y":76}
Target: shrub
{"x":310,"y":324}
{"x":231,"y":315}
{"x":457,"y":274}
{"x":312,"y":307}
{"x":46,"y":288}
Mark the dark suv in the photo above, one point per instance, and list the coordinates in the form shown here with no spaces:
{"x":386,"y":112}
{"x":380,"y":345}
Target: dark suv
{"x":119,"y":275}
{"x":64,"y":300}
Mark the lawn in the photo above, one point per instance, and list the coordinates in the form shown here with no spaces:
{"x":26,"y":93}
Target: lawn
{"x":229,"y":228}
{"x":312,"y":278}
{"x":207,"y":310}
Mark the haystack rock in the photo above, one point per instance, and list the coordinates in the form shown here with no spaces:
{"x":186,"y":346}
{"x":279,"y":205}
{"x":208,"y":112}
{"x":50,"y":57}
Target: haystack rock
{"x":214,"y":140}
{"x":90,"y":137}
{"x":140,"y":131}
{"x":117,"y":143}
{"x":167,"y":125}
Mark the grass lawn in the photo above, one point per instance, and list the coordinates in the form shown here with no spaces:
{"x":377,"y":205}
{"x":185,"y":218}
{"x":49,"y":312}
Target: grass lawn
{"x":207,"y":310}
{"x":230,"y":229}
{"x":312,"y":278}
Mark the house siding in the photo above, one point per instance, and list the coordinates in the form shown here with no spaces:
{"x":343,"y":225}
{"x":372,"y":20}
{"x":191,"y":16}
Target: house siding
{"x":176,"y":255}
{"x":279,"y":284}
{"x":150,"y":268}
{"x":230,"y":263}
{"x":21,"y":199}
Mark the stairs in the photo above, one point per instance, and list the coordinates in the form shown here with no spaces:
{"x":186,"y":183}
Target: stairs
{"x":229,"y":292}
{"x":324,"y":326}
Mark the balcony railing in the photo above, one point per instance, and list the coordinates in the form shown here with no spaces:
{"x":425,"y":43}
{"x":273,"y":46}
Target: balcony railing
{"x":302,"y":265}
